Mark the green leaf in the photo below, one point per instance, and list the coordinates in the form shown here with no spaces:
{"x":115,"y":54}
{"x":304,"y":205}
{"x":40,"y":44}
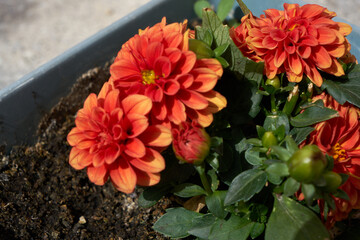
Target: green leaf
{"x":291,"y":220}
{"x":260,"y":131}
{"x":214,"y":181}
{"x":234,"y":228}
{"x":176,"y":222}
{"x":273,"y":122}
{"x":291,"y":186}
{"x":282,"y":153}
{"x":253,"y":157}
{"x":224,"y":8}
{"x":215,"y":203}
{"x":151,"y":195}
{"x":187,"y":190}
{"x":309,"y":192}
{"x":221,"y":49}
{"x":199,"y":6}
{"x":223,"y":62}
{"x":345,"y":90}
{"x":254,"y":71}
{"x":200,"y":48}
{"x":201,"y":226}
{"x":279,"y":169}
{"x":291,"y":145}
{"x":300,"y":134}
{"x":312,"y":114}
{"x":257,"y":230}
{"x":213,"y":160}
{"x":245,"y":186}
{"x":342,"y":194}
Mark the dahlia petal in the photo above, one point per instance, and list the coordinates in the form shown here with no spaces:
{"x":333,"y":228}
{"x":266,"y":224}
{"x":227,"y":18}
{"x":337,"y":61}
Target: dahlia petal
{"x":97,"y":175}
{"x":309,"y":40}
{"x":123,"y":177}
{"x":75,"y":136}
{"x":147,"y":178}
{"x":204,"y":80}
{"x":256,"y":33}
{"x":86,"y":143}
{"x":192,"y":99}
{"x":304,"y":51}
{"x":272,"y":13}
{"x":99,"y":158}
{"x":138,"y":104}
{"x":154,"y":92}
{"x":159,"y":110}
{"x":152,"y":162}
{"x":153,"y":51}
{"x":78,"y":158}
{"x":111,"y":101}
{"x":112,"y":153}
{"x":311,"y":10}
{"x":174,"y":39}
{"x":105,"y":89}
{"x":289,"y":46}
{"x":295,"y":64}
{"x":278,"y":35}
{"x":269,"y":43}
{"x":270,"y":68}
{"x":138,"y":124}
{"x":344,"y":28}
{"x":171,"y":87}
{"x":173,"y":54}
{"x":280,"y":57}
{"x":323,"y":22}
{"x":156,"y":136}
{"x":185,"y":80}
{"x":203,"y":117}
{"x":292,"y":77}
{"x":116,"y":115}
{"x":162,"y":67}
{"x":336,"y":69}
{"x":326,"y":36}
{"x":210,"y":63}
{"x":123,"y":68}
{"x":186,"y":63}
{"x":134,"y":148}
{"x":216,"y":101}
{"x":117,"y":132}
{"x":97,"y":114}
{"x":175,"y":110}
{"x":321,"y":57}
{"x":336,"y":51}
{"x":312,"y":73}
{"x":90,"y":103}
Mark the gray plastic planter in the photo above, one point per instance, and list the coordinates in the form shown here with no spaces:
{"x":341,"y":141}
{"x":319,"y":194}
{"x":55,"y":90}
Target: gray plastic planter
{"x":23,"y":103}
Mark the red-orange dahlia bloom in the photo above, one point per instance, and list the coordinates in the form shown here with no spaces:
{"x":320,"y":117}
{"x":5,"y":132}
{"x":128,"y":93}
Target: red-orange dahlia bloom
{"x":340,"y":138}
{"x":113,"y":138}
{"x":298,"y":41}
{"x":157,"y":63}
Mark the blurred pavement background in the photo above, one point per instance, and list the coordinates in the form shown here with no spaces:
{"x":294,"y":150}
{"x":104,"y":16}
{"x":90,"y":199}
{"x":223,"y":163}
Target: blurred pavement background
{"x":33,"y":32}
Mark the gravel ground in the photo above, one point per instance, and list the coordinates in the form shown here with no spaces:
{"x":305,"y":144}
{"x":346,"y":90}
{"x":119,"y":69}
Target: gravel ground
{"x":33,"y":32}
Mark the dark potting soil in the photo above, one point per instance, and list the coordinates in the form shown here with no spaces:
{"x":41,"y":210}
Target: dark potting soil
{"x":43,"y":197}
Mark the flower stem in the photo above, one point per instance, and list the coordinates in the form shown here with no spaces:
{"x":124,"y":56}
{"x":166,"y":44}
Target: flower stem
{"x":201,"y":170}
{"x":243,"y":7}
{"x":273,"y":104}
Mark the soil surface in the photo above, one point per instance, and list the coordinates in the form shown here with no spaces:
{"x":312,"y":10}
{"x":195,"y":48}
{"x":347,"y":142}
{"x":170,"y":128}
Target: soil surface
{"x":43,"y":197}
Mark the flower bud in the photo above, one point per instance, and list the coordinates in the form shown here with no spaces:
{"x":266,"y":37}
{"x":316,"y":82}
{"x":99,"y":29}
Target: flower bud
{"x":269,"y":139}
{"x":191,"y":143}
{"x":333,"y":181}
{"x":307,"y":164}
{"x":275,"y":82}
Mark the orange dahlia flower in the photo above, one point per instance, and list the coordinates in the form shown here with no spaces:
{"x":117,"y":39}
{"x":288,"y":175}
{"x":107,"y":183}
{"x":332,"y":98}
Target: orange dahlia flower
{"x":340,"y":138}
{"x":157,"y":63}
{"x":113,"y":138}
{"x":298,"y":41}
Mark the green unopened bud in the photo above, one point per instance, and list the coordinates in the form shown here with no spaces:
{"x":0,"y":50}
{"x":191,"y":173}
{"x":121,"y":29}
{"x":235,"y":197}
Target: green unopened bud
{"x":269,"y":139}
{"x":275,"y":82}
{"x":291,"y":101}
{"x":333,"y":181}
{"x":307,"y":164}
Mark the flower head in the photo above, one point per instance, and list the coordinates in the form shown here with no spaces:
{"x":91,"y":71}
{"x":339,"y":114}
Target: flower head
{"x":340,"y":138}
{"x":191,"y":143}
{"x":113,"y":138}
{"x":157,"y":63}
{"x":298,"y":41}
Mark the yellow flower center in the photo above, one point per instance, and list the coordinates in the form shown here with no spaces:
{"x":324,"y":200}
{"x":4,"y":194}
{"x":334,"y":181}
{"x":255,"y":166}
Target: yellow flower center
{"x":339,"y":154}
{"x":148,"y":77}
